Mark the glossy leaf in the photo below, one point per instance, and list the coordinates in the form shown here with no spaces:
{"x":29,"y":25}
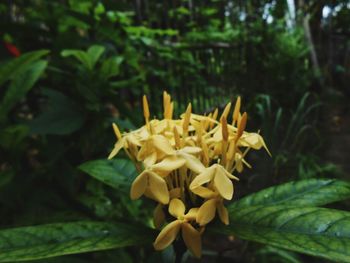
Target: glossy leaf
{"x":44,"y":241}
{"x":311,"y":192}
{"x":115,"y":173}
{"x":311,"y":230}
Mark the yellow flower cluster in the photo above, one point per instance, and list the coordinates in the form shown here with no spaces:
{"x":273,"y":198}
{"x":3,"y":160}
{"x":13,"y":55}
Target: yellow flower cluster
{"x":186,"y":165}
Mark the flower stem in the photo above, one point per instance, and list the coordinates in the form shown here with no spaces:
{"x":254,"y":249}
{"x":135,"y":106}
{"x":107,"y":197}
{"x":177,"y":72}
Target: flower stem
{"x":180,"y":249}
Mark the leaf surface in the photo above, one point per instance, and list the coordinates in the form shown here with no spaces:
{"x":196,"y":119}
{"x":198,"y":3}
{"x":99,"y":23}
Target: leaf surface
{"x":310,"y":192}
{"x":44,"y":241}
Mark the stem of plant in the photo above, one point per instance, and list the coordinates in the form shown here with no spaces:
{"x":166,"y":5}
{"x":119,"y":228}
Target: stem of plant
{"x":180,"y":249}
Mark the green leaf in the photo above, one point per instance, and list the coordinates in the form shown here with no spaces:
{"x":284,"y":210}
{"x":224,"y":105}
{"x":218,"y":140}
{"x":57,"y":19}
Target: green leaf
{"x":111,"y":66}
{"x":268,"y":253}
{"x":44,"y":241}
{"x":12,"y":136}
{"x":94,"y":53}
{"x":311,"y":192}
{"x":13,"y":67}
{"x":89,"y":58}
{"x":19,"y":87}
{"x":80,"y":55}
{"x":117,"y":173}
{"x":61,"y":116}
{"x":315,"y":231}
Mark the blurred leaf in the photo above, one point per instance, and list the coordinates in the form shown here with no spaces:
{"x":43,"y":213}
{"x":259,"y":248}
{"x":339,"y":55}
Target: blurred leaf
{"x":12,"y":136}
{"x":44,"y":241}
{"x":80,"y":55}
{"x":126,"y":83}
{"x":6,"y":176}
{"x":95,"y":53}
{"x":60,"y":117}
{"x":116,"y":173}
{"x":19,"y":87}
{"x":111,"y":67}
{"x":311,"y":230}
{"x":99,"y":10}
{"x":14,"y":66}
{"x":310,"y":192}
{"x":89,"y":58}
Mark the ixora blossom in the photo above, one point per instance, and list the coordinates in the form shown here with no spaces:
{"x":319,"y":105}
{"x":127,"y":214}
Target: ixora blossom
{"x":187,"y":165}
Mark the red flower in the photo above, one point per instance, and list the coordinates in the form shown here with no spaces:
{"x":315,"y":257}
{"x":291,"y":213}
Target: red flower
{"x":12,"y":49}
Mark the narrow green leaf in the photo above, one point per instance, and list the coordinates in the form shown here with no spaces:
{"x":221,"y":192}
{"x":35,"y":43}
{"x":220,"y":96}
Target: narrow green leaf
{"x":310,"y":192}
{"x":14,"y":66}
{"x":115,"y":173}
{"x":315,"y":231}
{"x":44,"y":241}
{"x":19,"y":87}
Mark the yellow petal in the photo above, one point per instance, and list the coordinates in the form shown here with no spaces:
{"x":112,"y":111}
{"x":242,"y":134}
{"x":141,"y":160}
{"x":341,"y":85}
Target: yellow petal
{"x":167,"y":235}
{"x":192,"y":214}
{"x":236,"y":110}
{"x":186,"y":119}
{"x":177,"y":138}
{"x":215,"y":114}
{"x":116,"y":148}
{"x":203,"y":178}
{"x":223,"y":184}
{"x":192,"y":162}
{"x":255,"y":141}
{"x":158,"y":216}
{"x":223,"y":214}
{"x":241,"y":125}
{"x":169,"y":164}
{"x":139,"y":186}
{"x":177,"y":208}
{"x":145,"y":150}
{"x":206,"y":212}
{"x":191,"y":150}
{"x":192,"y":239}
{"x":162,"y":144}
{"x":131,"y":138}
{"x":166,"y":104}
{"x":230,"y":175}
{"x":146,"y":113}
{"x":158,"y":187}
{"x":116,"y":131}
{"x":226,"y":111}
{"x":224,"y":129}
{"x":203,"y":192}
{"x":150,"y":159}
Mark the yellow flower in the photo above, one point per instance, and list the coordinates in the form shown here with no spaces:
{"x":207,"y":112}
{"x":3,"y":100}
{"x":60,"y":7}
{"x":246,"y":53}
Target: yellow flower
{"x":123,"y":141}
{"x":153,"y":149}
{"x":206,"y":212}
{"x":190,"y":235}
{"x":189,"y":162}
{"x":178,"y":158}
{"x":152,"y":185}
{"x":220,"y":179}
